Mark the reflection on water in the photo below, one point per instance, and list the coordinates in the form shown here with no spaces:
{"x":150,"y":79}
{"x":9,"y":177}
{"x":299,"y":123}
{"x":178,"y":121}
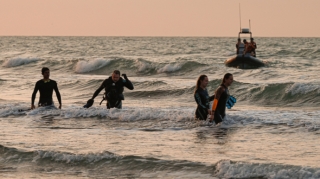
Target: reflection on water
{"x":217,"y":134}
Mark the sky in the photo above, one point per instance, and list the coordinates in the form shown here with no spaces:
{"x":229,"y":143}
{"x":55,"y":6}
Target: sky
{"x":214,"y":18}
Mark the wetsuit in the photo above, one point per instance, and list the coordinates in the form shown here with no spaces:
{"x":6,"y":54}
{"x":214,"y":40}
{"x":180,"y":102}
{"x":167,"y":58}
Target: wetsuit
{"x":114,"y":91}
{"x":46,"y":90}
{"x":222,"y":94}
{"x":202,"y":98}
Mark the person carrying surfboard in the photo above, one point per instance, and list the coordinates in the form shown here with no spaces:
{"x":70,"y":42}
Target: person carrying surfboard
{"x":114,"y":86}
{"x":45,"y":86}
{"x":221,"y":98}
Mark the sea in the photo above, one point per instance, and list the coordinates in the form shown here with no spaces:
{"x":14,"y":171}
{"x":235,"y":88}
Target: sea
{"x":272,"y":131}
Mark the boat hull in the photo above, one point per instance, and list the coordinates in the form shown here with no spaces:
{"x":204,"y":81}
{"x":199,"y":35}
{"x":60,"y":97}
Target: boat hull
{"x":244,"y":62}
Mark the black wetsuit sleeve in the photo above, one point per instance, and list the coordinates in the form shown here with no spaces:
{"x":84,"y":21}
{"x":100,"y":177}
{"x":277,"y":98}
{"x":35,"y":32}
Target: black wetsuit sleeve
{"x":95,"y":94}
{"x":219,"y":92}
{"x":36,"y":88}
{"x":57,"y":93}
{"x":128,"y":84}
{"x":198,"y":100}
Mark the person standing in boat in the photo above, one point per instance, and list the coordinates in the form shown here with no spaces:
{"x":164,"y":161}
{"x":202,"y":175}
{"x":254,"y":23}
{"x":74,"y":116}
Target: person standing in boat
{"x":248,"y":48}
{"x":254,"y":45}
{"x":240,"y":47}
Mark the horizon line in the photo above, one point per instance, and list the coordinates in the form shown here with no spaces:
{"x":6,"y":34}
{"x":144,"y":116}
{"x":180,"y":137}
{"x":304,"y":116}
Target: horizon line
{"x":154,"y":36}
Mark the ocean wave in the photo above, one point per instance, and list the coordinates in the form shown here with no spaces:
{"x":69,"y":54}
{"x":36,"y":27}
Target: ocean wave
{"x":92,"y":65}
{"x":230,"y":169}
{"x":144,"y":66}
{"x":130,"y":114}
{"x":106,"y":160}
{"x":291,"y":119}
{"x":180,"y":66}
{"x":182,"y":117}
{"x":73,"y":158}
{"x":303,"y":88}
{"x":169,"y":68}
{"x":19,"y":61}
{"x":279,"y":94}
{"x":12,"y":154}
{"x":13,"y":109}
{"x":161,"y":92}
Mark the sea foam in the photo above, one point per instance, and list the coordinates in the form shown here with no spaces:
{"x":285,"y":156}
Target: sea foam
{"x":19,"y":61}
{"x":169,"y":68}
{"x":88,"y":66}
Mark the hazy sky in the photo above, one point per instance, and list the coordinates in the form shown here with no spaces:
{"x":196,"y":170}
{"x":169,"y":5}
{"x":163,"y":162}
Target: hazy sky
{"x":275,"y":18}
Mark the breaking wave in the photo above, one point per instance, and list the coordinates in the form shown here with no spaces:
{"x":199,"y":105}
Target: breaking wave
{"x":19,"y":61}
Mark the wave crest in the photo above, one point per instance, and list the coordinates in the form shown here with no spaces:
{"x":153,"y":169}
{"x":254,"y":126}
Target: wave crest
{"x":19,"y":61}
{"x":169,"y":68}
{"x":88,"y":66}
{"x":301,"y":88}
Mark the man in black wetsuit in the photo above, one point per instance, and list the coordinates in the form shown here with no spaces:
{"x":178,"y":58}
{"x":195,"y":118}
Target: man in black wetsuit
{"x":45,"y":87}
{"x":220,"y":99}
{"x":114,"y":89}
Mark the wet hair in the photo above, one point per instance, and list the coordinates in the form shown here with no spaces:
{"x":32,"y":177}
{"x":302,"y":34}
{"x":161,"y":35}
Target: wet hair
{"x":226,"y":76}
{"x":117,"y":72}
{"x":201,"y":78}
{"x":44,"y":69}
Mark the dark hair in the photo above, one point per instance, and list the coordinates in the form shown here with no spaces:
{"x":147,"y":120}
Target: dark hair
{"x":226,"y":76}
{"x":116,"y":72}
{"x":251,"y":39}
{"x":44,"y":69}
{"x":201,"y":78}
{"x":239,"y":39}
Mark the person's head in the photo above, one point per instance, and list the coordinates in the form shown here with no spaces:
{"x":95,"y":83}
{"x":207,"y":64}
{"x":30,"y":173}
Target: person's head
{"x":251,"y":39}
{"x":115,"y":75}
{"x":239,"y":40}
{"x":244,"y":41}
{"x":227,"y":79}
{"x":202,"y":82}
{"x":45,"y":72}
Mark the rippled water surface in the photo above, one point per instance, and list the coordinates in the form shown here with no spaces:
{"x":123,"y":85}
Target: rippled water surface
{"x":273,"y":130}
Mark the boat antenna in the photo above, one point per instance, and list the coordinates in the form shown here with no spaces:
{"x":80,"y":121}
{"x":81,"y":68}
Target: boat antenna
{"x":240,"y":16}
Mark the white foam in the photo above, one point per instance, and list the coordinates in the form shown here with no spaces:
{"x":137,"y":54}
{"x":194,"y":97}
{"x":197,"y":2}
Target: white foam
{"x":170,"y":68}
{"x":305,"y":119}
{"x":303,"y":88}
{"x":73,"y":158}
{"x":128,"y":114}
{"x":142,"y":66}
{"x":228,"y":169}
{"x":87,"y":66}
{"x":13,"y":109}
{"x":19,"y":61}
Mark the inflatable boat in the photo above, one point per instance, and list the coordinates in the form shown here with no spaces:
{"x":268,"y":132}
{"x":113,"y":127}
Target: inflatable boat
{"x":244,"y":61}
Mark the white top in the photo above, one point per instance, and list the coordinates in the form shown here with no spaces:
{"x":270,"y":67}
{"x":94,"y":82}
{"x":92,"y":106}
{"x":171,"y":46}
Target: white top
{"x":241,"y":48}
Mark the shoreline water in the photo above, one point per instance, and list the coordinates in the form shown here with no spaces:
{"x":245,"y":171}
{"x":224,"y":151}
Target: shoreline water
{"x":271,"y":132}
